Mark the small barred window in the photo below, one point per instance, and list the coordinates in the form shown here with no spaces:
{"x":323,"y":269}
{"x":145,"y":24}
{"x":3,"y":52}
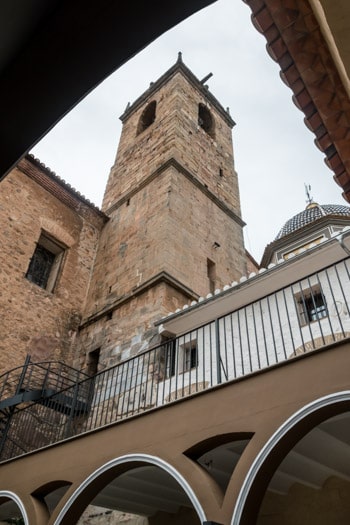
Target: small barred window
{"x":45,"y":263}
{"x":311,"y":305}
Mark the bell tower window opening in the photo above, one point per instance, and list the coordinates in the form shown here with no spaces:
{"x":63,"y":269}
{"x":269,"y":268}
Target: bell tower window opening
{"x":147,"y":118}
{"x":206,"y":120}
{"x":45,"y":263}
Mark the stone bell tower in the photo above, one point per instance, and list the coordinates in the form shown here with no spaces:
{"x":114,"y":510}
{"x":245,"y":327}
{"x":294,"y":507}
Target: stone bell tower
{"x":174,"y":231}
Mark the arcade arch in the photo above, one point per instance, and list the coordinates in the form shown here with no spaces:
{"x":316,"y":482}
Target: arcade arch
{"x":303,"y":471}
{"x":12,"y":508}
{"x":138,"y":484}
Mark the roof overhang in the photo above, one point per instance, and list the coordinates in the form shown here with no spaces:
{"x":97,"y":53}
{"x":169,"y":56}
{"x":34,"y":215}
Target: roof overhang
{"x":266,"y":282}
{"x":310,"y":41}
{"x":54,"y":53}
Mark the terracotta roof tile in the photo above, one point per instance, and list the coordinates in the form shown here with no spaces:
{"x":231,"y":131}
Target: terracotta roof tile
{"x":63,"y":191}
{"x":295,"y":41}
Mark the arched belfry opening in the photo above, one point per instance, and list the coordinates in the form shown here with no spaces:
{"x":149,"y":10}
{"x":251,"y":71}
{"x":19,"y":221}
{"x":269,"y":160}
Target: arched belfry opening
{"x":147,"y":118}
{"x":206,"y":120}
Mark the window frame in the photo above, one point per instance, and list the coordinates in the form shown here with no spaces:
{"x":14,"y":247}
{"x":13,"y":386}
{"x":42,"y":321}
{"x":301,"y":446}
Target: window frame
{"x":189,"y":356}
{"x":53,"y":247}
{"x":311,"y":305}
{"x":170,"y":358}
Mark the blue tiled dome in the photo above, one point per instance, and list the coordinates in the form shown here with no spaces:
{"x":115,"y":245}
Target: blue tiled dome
{"x":312,"y":213}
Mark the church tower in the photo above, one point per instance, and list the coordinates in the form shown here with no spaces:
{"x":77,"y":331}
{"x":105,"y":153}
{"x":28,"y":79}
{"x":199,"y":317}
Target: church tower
{"x":174,"y":231}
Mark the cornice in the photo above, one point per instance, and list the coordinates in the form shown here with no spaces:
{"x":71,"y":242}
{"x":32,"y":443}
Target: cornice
{"x":172,"y":162}
{"x":178,"y":67}
{"x":300,"y":234}
{"x":160,"y":278}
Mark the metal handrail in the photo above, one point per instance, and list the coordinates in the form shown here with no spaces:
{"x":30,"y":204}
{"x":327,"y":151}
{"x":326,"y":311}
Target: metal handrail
{"x":303,"y":316}
{"x":44,"y":374}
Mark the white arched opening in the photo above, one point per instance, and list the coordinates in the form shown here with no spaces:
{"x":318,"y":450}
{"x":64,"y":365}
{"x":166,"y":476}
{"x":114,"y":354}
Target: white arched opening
{"x":11,"y":505}
{"x":284,"y":429}
{"x":136,"y":458}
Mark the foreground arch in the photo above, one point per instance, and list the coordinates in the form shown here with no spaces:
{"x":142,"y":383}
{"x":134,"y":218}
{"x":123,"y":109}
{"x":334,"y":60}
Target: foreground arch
{"x":8,"y":495}
{"x":132,"y":460}
{"x":307,"y":417}
{"x":258,"y":404}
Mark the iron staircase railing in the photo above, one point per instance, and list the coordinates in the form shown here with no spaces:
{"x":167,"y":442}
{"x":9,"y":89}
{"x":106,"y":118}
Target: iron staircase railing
{"x":24,"y":388}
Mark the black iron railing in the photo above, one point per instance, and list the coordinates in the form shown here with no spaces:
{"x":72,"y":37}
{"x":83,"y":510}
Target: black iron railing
{"x":301,"y":317}
{"x":52,"y":375}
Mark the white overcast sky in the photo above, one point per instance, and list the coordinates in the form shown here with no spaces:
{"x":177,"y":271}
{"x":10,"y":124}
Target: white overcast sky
{"x":274,"y":151}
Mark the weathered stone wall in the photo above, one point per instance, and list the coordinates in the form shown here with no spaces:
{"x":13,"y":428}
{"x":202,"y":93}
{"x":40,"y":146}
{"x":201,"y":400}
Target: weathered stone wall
{"x":175,"y":134}
{"x":173,"y":202}
{"x":34,"y":320}
{"x":129,"y":329}
{"x":131,"y":248}
{"x":98,"y":516}
{"x":197,"y":229}
{"x":252,"y":265}
{"x":168,"y":226}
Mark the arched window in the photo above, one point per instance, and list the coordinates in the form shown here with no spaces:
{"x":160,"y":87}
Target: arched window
{"x":148,"y":117}
{"x":206,"y":120}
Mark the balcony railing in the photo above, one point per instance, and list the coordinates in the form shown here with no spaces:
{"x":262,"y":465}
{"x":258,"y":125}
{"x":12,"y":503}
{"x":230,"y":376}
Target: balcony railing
{"x":299,"y":318}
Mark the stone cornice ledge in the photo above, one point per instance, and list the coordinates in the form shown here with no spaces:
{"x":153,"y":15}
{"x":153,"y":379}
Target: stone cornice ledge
{"x":173,"y":163}
{"x":160,"y":278}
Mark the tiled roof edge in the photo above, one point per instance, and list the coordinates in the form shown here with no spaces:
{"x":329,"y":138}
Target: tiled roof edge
{"x":62,"y":183}
{"x":282,"y":28}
